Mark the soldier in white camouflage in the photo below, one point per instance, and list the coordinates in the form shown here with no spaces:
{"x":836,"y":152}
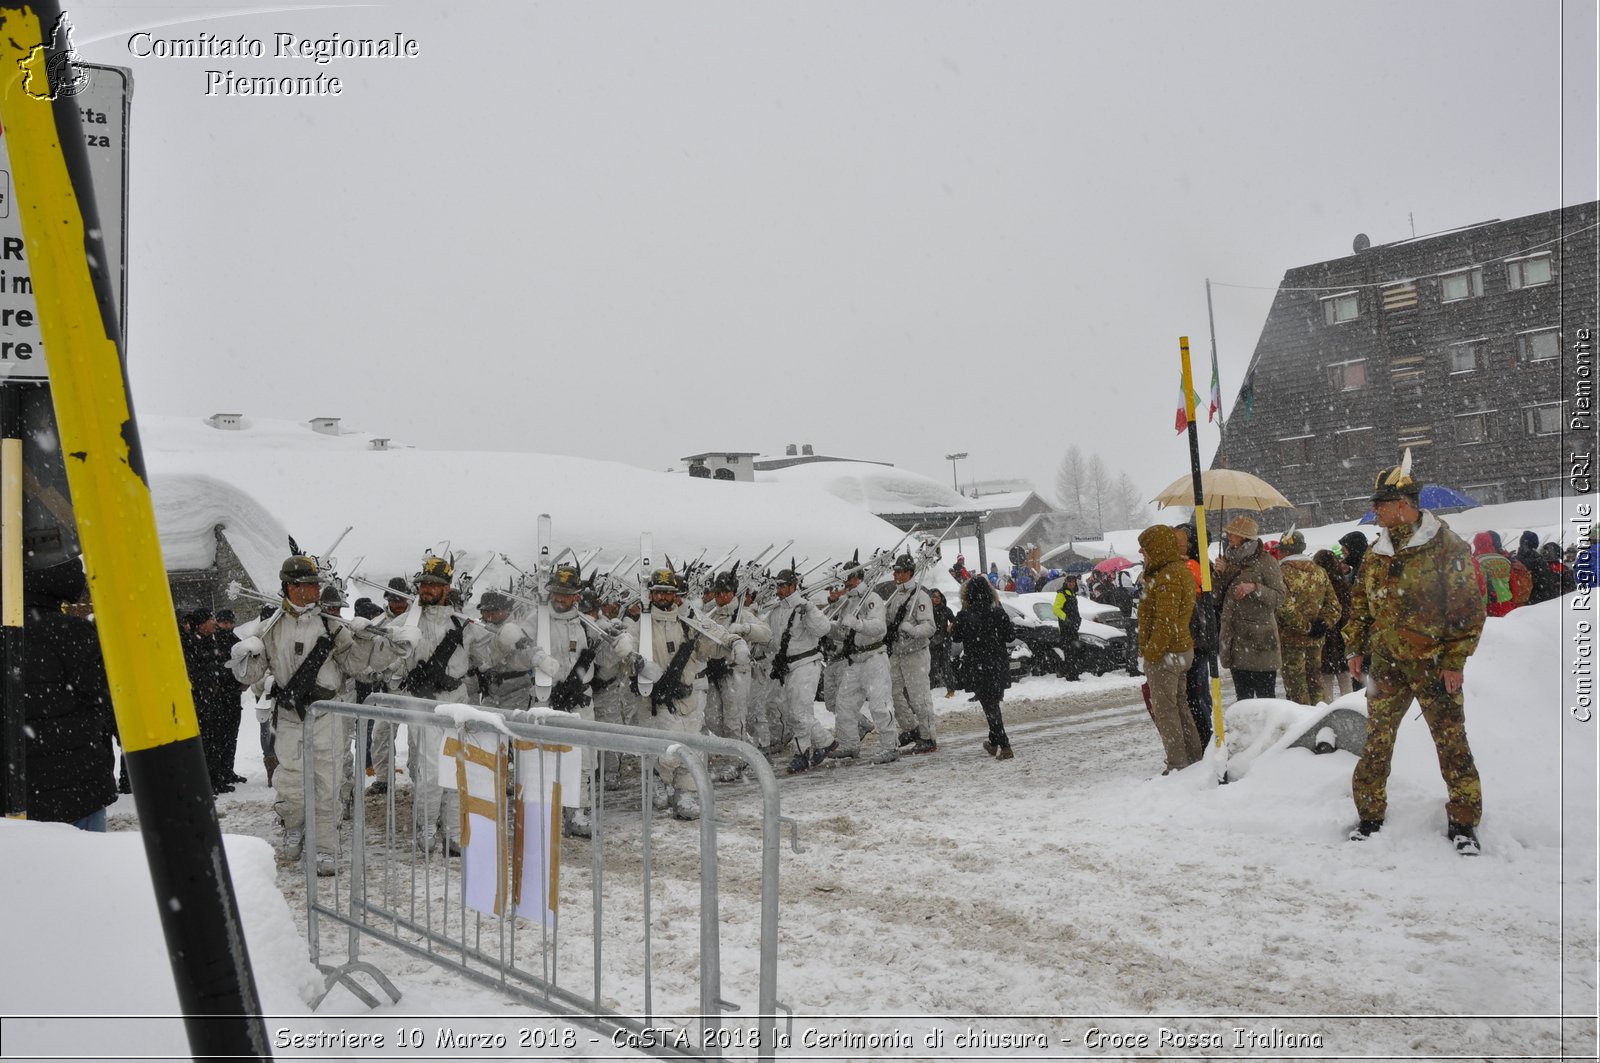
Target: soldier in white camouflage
{"x":1310,"y":609}
{"x":1415,"y":617}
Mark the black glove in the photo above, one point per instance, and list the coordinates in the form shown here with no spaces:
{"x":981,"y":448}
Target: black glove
{"x":1319,"y":628}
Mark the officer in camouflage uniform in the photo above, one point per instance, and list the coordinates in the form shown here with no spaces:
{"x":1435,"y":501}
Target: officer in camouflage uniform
{"x":1415,"y":617}
{"x":1310,"y":609}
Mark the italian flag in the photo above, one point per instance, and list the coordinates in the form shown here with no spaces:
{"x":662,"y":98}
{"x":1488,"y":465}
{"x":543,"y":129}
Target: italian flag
{"x":1216,"y":391}
{"x":1184,"y":401}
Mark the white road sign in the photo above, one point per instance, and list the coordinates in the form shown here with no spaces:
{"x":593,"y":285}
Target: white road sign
{"x":102,"y":97}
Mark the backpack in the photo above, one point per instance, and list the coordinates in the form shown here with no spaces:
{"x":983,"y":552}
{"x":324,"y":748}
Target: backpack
{"x":1494,"y":574}
{"x":1521,"y":582}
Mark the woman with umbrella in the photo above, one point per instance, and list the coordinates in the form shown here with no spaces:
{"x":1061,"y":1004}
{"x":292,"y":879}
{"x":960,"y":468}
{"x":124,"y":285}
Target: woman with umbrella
{"x":984,"y":630}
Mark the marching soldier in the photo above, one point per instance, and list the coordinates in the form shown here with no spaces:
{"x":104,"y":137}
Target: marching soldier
{"x":605,"y":689}
{"x":574,"y":654}
{"x":310,"y":658}
{"x":1310,"y":608}
{"x":909,"y":628}
{"x":677,"y":697}
{"x":505,"y":682}
{"x":860,"y":631}
{"x":797,"y":626}
{"x":1415,"y":617}
{"x":728,"y":681}
{"x":448,"y":648}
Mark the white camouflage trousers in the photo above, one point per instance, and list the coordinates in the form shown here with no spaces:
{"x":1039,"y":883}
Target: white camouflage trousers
{"x":764,"y":719}
{"x":913,"y":700}
{"x":727,"y":702}
{"x":289,"y":779}
{"x":671,"y":769}
{"x":865,"y":682}
{"x":432,"y":806}
{"x":798,"y":692}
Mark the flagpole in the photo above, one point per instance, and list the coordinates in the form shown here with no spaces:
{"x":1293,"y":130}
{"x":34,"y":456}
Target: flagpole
{"x":1211,"y":319}
{"x":1203,"y":542}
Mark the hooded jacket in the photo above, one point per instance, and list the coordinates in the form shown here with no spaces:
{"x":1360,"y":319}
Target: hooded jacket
{"x":1418,"y":603}
{"x":1169,"y":597}
{"x":1249,"y":639}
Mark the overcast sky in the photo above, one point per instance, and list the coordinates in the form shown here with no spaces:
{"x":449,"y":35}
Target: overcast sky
{"x":890,"y":229}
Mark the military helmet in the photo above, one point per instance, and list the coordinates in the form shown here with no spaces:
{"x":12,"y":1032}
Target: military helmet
{"x":398,"y":583}
{"x":494,"y":600}
{"x":664,"y":579}
{"x":299,"y":568}
{"x":331,"y":596}
{"x":904,"y":563}
{"x":589,"y":600}
{"x":1291,"y":542}
{"x":435,"y":570}
{"x":566,"y":579}
{"x":1396,"y":482}
{"x":851,"y":568}
{"x":725,"y":583}
{"x":787,"y":575}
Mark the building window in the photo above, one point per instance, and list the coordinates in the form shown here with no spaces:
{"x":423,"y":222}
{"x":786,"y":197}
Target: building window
{"x":1340,"y":308}
{"x":1540,"y":346}
{"x":732,"y":459}
{"x":1528,"y":272}
{"x":1472,"y":427}
{"x":1295,"y":451}
{"x":699,"y":471}
{"x":1486,"y":494}
{"x":1354,"y":442}
{"x":1543,"y":420}
{"x":1348,"y":376}
{"x":1468,"y":284}
{"x":1469,"y":356}
{"x":1548,"y":486}
{"x":1406,"y":376}
{"x":1416,"y":435}
{"x":1402,"y":296}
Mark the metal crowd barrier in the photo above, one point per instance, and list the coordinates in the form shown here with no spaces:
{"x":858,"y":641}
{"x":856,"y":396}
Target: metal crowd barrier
{"x":385,"y":890}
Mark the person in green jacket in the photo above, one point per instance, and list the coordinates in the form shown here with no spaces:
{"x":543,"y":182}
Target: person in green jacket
{"x":1415,"y":617}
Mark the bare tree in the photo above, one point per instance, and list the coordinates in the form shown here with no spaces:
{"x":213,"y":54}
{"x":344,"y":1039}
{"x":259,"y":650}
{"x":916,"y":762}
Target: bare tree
{"x":1071,"y":475}
{"x":1131,"y":511}
{"x":1098,"y":491}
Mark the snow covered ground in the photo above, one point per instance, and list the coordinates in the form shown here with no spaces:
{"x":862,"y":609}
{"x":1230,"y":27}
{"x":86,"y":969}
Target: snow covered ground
{"x":1069,"y":891}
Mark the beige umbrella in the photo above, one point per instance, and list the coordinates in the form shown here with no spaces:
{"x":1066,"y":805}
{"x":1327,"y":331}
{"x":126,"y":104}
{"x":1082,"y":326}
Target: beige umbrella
{"x":1224,"y":489}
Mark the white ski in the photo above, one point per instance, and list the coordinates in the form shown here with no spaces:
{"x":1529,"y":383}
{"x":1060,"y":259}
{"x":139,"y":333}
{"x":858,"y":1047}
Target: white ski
{"x":646,"y":564}
{"x":541,"y":624}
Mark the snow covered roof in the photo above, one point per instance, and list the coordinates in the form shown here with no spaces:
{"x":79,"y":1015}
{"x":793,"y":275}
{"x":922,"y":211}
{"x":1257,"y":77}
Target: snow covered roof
{"x":1005,"y":500}
{"x":273,"y":478}
{"x":880,"y":489}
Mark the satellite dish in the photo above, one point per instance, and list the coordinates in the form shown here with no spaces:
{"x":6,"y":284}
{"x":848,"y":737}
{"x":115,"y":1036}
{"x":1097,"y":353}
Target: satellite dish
{"x":1360,"y":243}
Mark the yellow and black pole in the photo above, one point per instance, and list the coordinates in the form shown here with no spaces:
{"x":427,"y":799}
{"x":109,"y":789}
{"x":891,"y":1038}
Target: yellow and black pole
{"x":116,"y":527}
{"x":1202,"y":541}
{"x":13,"y":740}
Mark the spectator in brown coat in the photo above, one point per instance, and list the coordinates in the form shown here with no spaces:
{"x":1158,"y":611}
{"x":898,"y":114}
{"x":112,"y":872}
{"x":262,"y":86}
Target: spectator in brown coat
{"x":1250,"y":588}
{"x":1165,"y":642}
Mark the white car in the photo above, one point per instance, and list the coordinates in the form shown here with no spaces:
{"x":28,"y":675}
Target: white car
{"x":1103,"y":647}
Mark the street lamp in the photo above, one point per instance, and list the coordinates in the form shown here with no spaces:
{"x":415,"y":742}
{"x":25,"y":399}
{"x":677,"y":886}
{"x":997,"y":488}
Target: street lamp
{"x":952,"y":459}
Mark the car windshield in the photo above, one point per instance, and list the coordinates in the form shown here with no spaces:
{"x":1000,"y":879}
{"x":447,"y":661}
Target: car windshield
{"x":1043,"y":611}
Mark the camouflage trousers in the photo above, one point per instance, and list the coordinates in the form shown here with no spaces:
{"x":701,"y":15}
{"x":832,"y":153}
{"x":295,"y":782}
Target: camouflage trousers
{"x":1391,"y":686}
{"x":1302,"y":672}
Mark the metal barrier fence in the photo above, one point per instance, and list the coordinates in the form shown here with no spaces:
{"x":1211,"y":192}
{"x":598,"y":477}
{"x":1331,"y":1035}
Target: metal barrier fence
{"x":389,"y":889}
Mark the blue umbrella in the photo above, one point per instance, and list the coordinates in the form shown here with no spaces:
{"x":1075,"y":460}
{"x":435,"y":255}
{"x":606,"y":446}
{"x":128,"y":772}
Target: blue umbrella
{"x":1436,"y":496}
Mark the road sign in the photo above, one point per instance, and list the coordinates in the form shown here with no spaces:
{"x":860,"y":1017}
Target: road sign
{"x":102,"y":95}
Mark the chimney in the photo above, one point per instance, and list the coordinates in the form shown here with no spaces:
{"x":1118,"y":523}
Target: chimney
{"x":788,"y":450}
{"x":806,"y":450}
{"x":328,"y":426}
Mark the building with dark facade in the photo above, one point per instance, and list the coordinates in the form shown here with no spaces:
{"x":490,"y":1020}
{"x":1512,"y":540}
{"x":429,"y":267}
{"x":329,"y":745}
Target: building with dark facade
{"x":1453,"y":345}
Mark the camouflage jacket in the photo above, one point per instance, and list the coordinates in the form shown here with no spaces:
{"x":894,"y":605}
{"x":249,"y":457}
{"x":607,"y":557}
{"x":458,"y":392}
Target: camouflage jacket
{"x":1420,"y":603}
{"x":1308,"y":597}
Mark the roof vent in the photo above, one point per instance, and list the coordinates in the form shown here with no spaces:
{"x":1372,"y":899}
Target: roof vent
{"x":805,"y":448}
{"x":789,"y":450}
